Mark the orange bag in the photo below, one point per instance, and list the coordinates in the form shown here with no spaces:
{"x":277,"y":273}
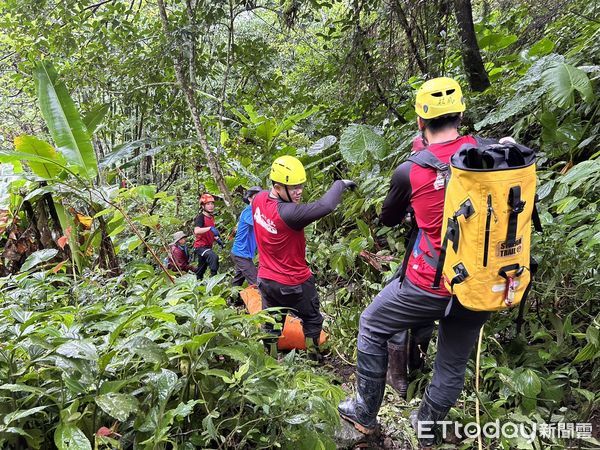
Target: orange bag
{"x":292,"y":336}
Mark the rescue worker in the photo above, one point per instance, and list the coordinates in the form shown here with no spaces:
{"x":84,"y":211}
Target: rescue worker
{"x":284,"y":279}
{"x":179,"y":258}
{"x":414,"y":302}
{"x":244,"y":244}
{"x":206,"y":235}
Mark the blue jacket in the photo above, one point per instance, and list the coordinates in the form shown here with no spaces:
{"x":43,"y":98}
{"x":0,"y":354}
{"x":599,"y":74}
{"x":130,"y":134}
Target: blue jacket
{"x":244,"y":244}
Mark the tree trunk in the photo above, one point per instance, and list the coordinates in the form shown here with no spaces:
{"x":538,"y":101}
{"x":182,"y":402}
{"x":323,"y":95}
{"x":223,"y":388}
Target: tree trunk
{"x":478,"y":77}
{"x":211,"y":158}
{"x":408,"y":30}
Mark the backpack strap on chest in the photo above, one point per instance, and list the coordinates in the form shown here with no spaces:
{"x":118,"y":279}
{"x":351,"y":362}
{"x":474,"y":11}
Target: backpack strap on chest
{"x":425,"y":158}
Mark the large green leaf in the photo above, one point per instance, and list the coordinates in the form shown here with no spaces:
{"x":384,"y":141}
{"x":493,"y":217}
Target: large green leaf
{"x":321,"y":145}
{"x":20,"y":414}
{"x":121,"y":152}
{"x":35,"y":146}
{"x":266,"y":131}
{"x":359,"y":142}
{"x":542,"y":47}
{"x":119,"y":406}
{"x":563,"y":80}
{"x":496,"y":41}
{"x":64,"y":122}
{"x":38,"y":257}
{"x":79,"y":349}
{"x":147,"y":349}
{"x":7,"y":156}
{"x":164,"y":382}
{"x":527,"y":383}
{"x":69,"y":437}
{"x":93,"y":118}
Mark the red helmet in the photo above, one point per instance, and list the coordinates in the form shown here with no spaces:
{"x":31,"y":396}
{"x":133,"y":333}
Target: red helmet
{"x":205,"y":198}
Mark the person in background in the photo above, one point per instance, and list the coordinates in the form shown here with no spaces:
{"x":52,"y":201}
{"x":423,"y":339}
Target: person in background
{"x":244,"y":244}
{"x":179,"y":256}
{"x":284,"y":278}
{"x":206,"y":235}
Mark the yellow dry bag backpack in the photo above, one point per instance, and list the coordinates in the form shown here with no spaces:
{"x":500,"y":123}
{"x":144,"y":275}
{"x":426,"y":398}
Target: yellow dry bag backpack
{"x":489,"y":207}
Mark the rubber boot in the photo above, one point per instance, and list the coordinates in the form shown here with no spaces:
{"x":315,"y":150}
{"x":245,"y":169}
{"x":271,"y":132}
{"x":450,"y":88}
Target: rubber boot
{"x":370,"y":387}
{"x":397,"y":374}
{"x":426,"y":420}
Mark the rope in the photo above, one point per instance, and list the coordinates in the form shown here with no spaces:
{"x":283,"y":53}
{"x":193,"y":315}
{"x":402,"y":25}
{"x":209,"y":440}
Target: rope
{"x":477,"y":418}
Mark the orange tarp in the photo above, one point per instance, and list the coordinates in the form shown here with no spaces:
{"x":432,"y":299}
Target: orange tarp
{"x":292,"y":336}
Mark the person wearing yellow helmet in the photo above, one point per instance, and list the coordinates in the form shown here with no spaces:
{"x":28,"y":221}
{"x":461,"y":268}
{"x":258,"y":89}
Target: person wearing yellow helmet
{"x":411,"y":300}
{"x":288,"y":176}
{"x":284,"y":278}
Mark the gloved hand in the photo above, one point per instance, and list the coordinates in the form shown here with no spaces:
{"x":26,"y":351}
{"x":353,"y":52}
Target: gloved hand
{"x":349,"y":184}
{"x":215,"y":231}
{"x":220,"y":242}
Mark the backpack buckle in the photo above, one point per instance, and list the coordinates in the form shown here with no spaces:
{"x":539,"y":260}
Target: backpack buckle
{"x":461,"y":274}
{"x":519,"y":207}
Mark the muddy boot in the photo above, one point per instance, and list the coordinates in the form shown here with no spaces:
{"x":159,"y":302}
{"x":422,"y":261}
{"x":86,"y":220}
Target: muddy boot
{"x":426,"y":420}
{"x":396,"y":373}
{"x":370,"y":386}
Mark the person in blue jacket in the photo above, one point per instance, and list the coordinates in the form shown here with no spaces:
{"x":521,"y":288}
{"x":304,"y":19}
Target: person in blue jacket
{"x":244,"y":245}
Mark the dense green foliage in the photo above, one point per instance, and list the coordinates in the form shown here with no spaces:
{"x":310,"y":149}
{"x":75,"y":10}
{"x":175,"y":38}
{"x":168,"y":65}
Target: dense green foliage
{"x":101,"y":161}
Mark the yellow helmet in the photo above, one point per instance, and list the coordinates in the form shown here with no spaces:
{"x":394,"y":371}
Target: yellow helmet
{"x":438,"y":97}
{"x":288,"y":170}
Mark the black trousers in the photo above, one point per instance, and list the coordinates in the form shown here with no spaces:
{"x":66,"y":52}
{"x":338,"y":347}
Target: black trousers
{"x":399,"y":307}
{"x":206,"y":258}
{"x":244,"y":270}
{"x":302,"y":299}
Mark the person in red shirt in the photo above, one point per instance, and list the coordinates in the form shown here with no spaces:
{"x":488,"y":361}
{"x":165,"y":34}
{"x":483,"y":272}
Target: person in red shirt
{"x":179,"y":258}
{"x":413,"y":301}
{"x":284,"y":279}
{"x":206,"y":235}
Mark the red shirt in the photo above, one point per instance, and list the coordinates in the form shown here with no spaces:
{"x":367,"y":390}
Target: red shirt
{"x":422,"y":189}
{"x":281,"y":249}
{"x":180,"y":258}
{"x":204,"y":240}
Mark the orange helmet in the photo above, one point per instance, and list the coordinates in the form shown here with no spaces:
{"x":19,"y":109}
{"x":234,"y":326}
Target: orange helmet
{"x":205,"y":198}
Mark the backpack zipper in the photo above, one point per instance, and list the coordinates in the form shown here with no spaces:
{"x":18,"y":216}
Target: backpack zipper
{"x":488,"y":220}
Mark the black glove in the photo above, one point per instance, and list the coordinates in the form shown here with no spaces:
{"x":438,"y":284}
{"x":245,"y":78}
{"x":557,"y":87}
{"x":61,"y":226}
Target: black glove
{"x":220,"y":242}
{"x":215,"y":231}
{"x":349,"y":184}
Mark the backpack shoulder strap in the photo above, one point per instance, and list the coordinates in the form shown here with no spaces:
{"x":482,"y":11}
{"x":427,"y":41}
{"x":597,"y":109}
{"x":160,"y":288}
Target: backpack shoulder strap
{"x":425,"y":158}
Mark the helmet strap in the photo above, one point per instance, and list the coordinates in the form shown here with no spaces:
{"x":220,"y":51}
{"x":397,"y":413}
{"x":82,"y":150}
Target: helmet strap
{"x":288,"y":194}
{"x":289,"y":197}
